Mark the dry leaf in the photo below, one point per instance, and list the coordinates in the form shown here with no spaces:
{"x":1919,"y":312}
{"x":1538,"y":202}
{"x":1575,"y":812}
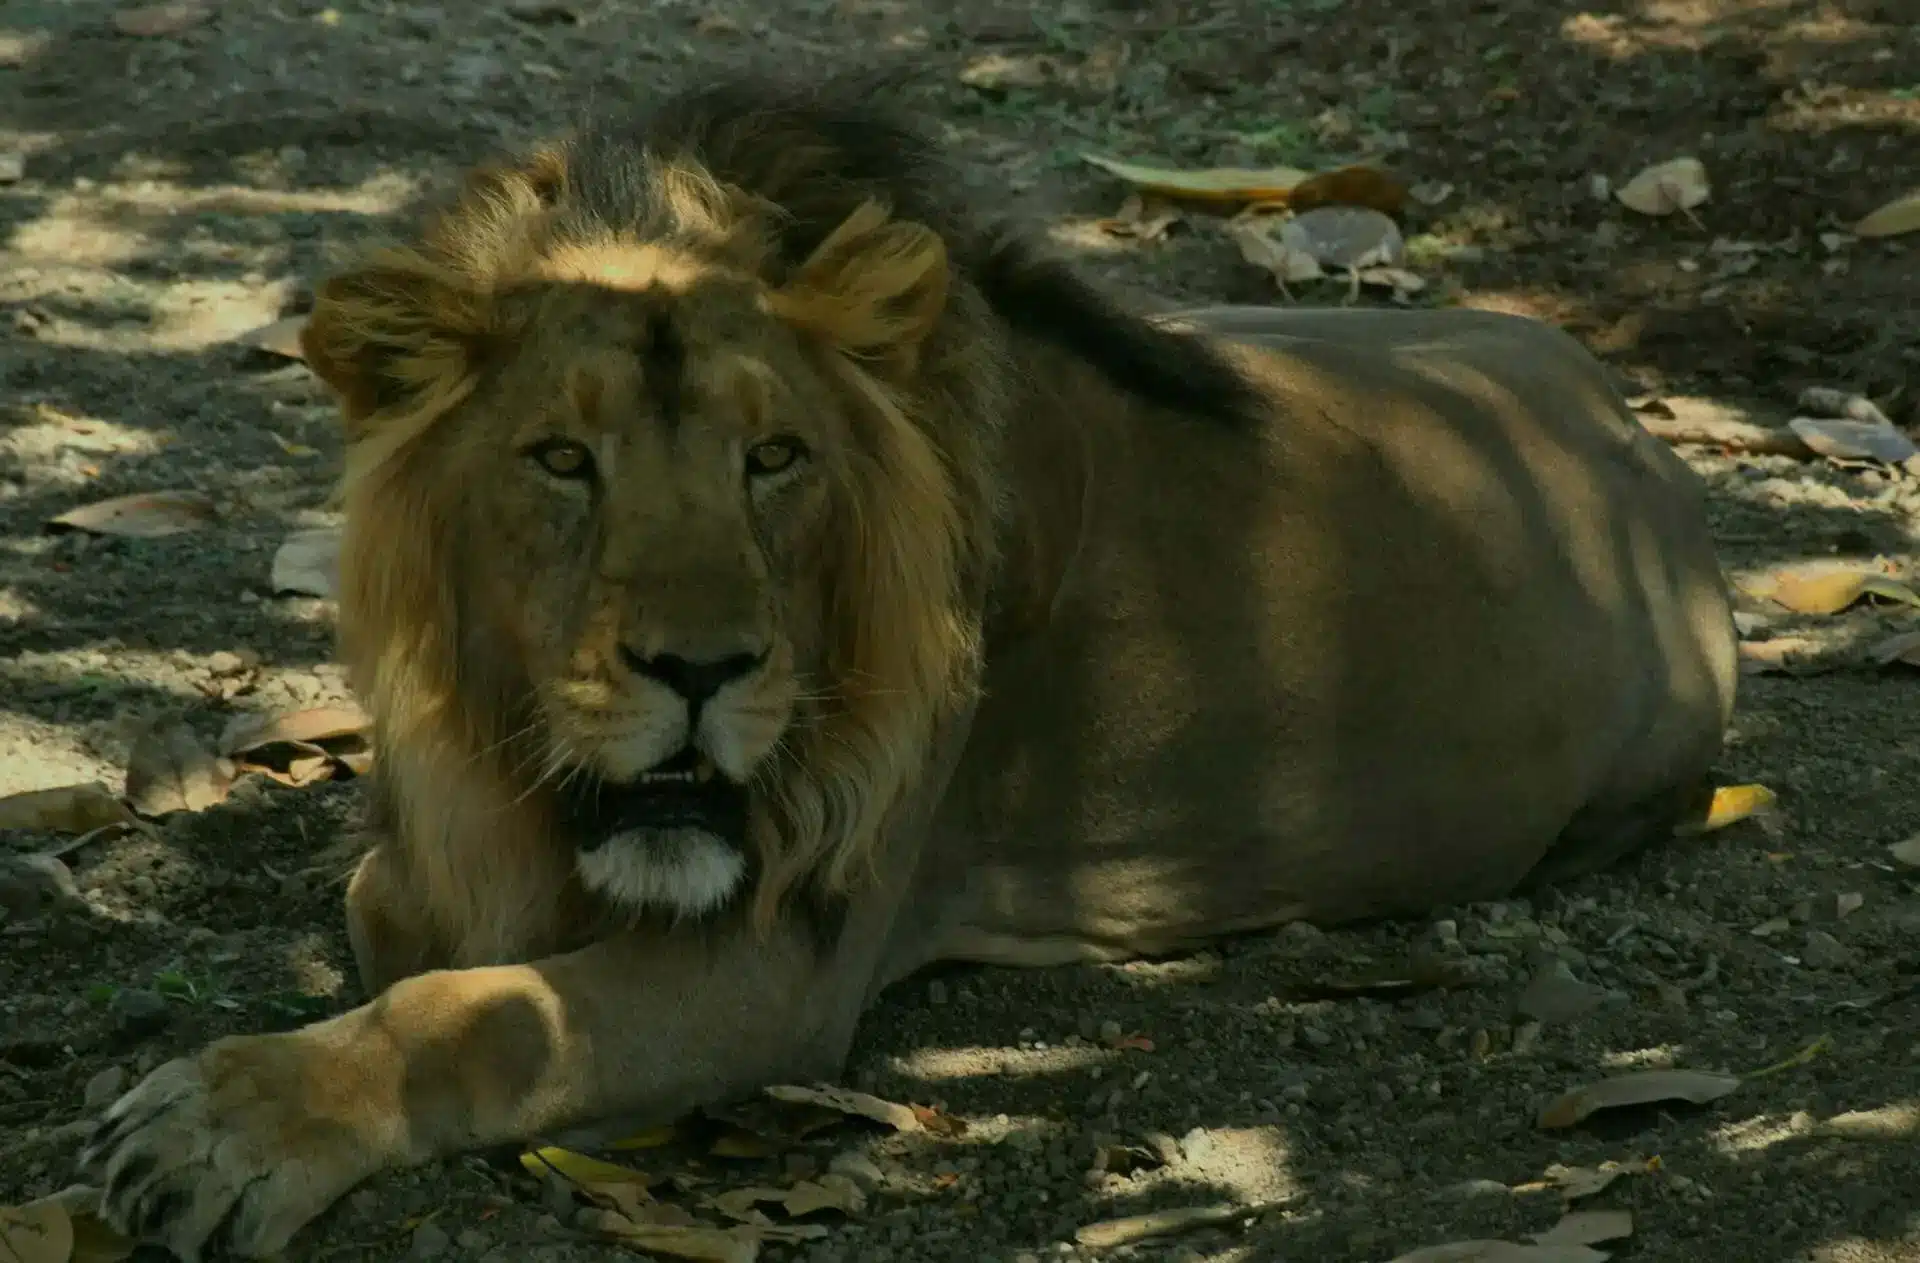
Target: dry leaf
{"x":1734,"y":803}
{"x":1839,"y":439}
{"x":93,"y":1241}
{"x":333,"y":727}
{"x":1588,"y":1227}
{"x":40,"y":1232}
{"x":66,"y":809}
{"x":1142,"y":217}
{"x":1677,"y":185}
{"x":1821,"y":589}
{"x":1553,"y":994}
{"x":1348,"y":237}
{"x":1901,"y":215}
{"x":1847,"y":405}
{"x":578,"y":1168}
{"x":148,"y":515}
{"x":1645,"y":1087}
{"x":712,"y":1245}
{"x":742,"y":1144}
{"x":1211,"y":184}
{"x":997,"y":72}
{"x":1349,"y":186}
{"x":1109,"y":1233}
{"x":651,"y":1138}
{"x":169,"y":771}
{"x":162,"y":19}
{"x":846,"y":1101}
{"x":1501,"y":1252}
{"x":1907,"y":852}
{"x":1573,"y":1183}
{"x":282,"y":337}
{"x":1286,"y":264}
{"x":307,"y":563}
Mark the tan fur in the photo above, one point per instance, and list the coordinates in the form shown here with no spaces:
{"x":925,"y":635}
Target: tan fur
{"x":1056,"y":674}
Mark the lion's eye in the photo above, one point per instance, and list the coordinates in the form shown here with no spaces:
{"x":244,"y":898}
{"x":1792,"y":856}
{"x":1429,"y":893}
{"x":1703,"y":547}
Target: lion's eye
{"x":774,"y":456}
{"x":563,"y":458}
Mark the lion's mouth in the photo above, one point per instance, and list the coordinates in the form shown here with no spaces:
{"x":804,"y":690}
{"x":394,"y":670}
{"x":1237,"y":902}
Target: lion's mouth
{"x":686,"y":792}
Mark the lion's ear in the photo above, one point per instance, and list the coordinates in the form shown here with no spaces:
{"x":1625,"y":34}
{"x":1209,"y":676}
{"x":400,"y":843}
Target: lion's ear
{"x":392,"y":330}
{"x":874,"y":288}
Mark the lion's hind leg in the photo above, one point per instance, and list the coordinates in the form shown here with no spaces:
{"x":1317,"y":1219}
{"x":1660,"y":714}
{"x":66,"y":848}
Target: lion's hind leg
{"x":1602,"y":834}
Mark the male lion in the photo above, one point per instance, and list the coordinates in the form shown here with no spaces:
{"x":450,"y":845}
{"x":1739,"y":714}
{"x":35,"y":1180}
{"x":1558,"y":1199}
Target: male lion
{"x":768,"y":578}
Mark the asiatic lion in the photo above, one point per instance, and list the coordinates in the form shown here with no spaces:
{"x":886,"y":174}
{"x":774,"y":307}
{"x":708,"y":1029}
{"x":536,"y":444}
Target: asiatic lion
{"x":769,"y":577}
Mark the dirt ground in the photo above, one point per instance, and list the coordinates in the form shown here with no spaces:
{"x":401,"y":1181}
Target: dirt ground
{"x":181,"y":189}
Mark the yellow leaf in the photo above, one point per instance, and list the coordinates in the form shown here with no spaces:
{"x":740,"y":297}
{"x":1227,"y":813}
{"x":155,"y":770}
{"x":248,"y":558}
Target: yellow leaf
{"x":580,"y":1168}
{"x":1900,"y":215}
{"x":1676,"y":185}
{"x":1206,"y":184}
{"x":652,"y":1138}
{"x":38,"y":1233}
{"x":1734,"y":803}
{"x":1824,"y":590}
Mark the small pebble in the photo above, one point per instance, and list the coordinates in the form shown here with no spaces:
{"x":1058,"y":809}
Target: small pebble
{"x":1824,"y":951}
{"x":430,"y":1241}
{"x":138,"y":1012}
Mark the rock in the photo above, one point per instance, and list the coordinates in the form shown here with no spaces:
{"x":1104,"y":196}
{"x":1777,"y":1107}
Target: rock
{"x":33,"y":884}
{"x":473,"y":1242}
{"x":1110,"y":1032}
{"x":138,"y":1012}
{"x":104,"y":1088}
{"x":430,"y":1241}
{"x":1553,"y":994}
{"x":1196,"y":1145}
{"x":1824,"y":951}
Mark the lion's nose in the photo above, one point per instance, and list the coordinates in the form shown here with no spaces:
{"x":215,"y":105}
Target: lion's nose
{"x":695,"y":679}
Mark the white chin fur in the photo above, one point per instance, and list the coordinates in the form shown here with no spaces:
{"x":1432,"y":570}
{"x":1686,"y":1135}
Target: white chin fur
{"x":697,"y":877}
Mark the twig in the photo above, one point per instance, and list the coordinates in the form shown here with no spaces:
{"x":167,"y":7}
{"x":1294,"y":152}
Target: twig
{"x":1739,"y":436}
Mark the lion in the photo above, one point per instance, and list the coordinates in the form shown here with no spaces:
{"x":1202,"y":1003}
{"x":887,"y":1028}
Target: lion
{"x":769,"y":576}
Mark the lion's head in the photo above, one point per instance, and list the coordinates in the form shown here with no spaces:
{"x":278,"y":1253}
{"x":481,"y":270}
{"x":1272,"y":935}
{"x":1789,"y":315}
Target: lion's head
{"x":679,"y":529}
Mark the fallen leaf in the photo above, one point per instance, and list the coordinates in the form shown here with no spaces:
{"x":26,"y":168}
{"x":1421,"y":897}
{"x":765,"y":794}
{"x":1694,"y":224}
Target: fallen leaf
{"x":1501,"y":1252}
{"x":1108,"y":1233}
{"x":1676,"y":185}
{"x":1288,"y":265}
{"x":148,"y":515}
{"x":1574,"y":1183}
{"x":828,"y":1192}
{"x":282,"y":338}
{"x":651,"y":1138}
{"x":162,"y":19}
{"x":334,"y":727}
{"x":93,"y":1241}
{"x":1399,"y":280}
{"x":1210,"y":184}
{"x":1142,"y":217}
{"x":1645,"y":1087}
{"x":307,"y":563}
{"x":169,"y":770}
{"x":40,"y":1232}
{"x":847,"y":1101}
{"x":997,"y":72}
{"x":1853,"y":440}
{"x":1347,"y":237}
{"x":1588,"y":1227}
{"x":1845,"y":404}
{"x":1821,"y":589}
{"x":1734,"y":803}
{"x":1907,"y":852}
{"x":1553,"y":994}
{"x":65,"y":809}
{"x":579,"y":1168}
{"x":741,"y":1144}
{"x":711,"y":1245}
{"x":1901,"y":215}
{"x":1349,"y":186}
{"x":934,"y":1123}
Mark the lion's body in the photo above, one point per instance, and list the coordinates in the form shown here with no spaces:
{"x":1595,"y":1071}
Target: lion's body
{"x":1072,"y":635}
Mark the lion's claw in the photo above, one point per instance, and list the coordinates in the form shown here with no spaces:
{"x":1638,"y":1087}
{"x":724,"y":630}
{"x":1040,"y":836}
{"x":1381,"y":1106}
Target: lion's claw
{"x":210,"y":1154}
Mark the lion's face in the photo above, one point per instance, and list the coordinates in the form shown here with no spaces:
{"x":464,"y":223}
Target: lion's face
{"x":660,"y":540}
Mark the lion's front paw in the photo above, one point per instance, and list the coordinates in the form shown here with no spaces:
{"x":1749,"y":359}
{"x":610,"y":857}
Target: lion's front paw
{"x":235,"y":1148}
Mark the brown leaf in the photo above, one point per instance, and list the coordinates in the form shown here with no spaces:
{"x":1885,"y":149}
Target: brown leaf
{"x":332,"y":727}
{"x":1645,"y":1087}
{"x":1588,"y":1227}
{"x":1349,"y":186}
{"x":1142,"y":217}
{"x":1211,"y":184}
{"x":829,"y":1192}
{"x":170,"y":770}
{"x":1676,"y":185}
{"x":162,"y":19}
{"x":1287,"y":264}
{"x":847,"y":1101}
{"x":65,"y":809}
{"x":307,"y":563}
{"x":148,"y":515}
{"x":1108,"y":1233}
{"x":40,"y":1232}
{"x":1501,"y":1252}
{"x":1901,"y":215}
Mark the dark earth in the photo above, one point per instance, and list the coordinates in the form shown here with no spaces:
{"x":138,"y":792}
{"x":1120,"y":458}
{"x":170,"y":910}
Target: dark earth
{"x":180,"y":189}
